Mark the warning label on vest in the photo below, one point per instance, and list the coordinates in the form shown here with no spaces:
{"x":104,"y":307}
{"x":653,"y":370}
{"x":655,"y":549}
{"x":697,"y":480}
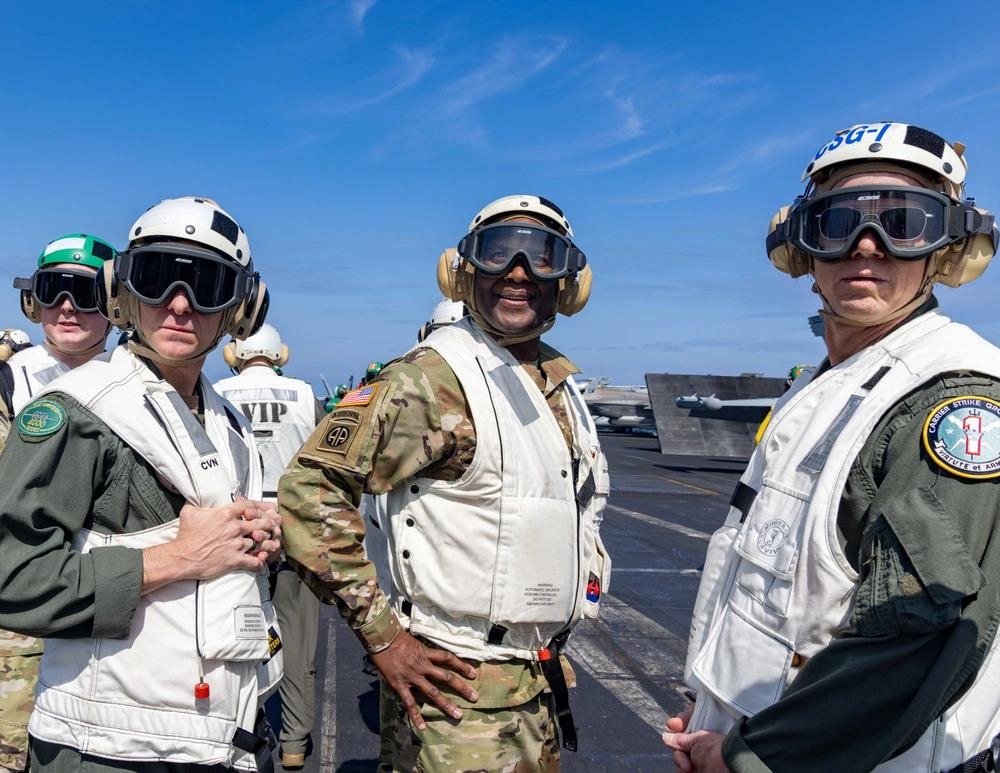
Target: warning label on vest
{"x":250,"y":623}
{"x":543,"y":594}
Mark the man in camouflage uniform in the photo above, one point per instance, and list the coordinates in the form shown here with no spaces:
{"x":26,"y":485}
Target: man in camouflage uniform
{"x":465,"y":632}
{"x":60,"y":297}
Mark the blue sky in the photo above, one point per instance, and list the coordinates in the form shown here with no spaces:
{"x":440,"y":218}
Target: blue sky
{"x":355,"y":139}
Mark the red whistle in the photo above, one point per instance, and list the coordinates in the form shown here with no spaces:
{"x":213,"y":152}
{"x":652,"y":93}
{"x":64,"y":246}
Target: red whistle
{"x":201,"y":691}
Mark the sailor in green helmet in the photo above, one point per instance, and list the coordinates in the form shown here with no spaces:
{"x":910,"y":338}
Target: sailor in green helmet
{"x":60,"y":296}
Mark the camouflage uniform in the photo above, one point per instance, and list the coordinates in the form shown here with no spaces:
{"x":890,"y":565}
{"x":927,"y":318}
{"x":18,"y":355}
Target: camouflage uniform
{"x":417,"y":420}
{"x":19,"y":660}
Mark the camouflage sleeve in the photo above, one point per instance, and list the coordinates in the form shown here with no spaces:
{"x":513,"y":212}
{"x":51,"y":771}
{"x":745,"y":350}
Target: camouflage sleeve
{"x":373,"y":441}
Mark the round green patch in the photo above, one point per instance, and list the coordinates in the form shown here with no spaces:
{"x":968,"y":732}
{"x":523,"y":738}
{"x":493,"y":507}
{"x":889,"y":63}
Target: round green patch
{"x":40,"y":419}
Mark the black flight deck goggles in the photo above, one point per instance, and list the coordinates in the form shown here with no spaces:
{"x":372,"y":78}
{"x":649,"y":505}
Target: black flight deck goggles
{"x":547,"y":254}
{"x":911,"y":222}
{"x":154,"y":272}
{"x":50,"y":286}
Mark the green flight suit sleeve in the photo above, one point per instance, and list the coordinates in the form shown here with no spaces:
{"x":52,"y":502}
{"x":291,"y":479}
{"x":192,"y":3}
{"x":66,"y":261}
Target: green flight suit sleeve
{"x":51,"y":482}
{"x":925,"y":611}
{"x":368,"y":444}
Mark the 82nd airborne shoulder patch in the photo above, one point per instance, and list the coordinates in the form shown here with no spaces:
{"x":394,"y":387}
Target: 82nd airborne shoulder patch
{"x":962,"y":436}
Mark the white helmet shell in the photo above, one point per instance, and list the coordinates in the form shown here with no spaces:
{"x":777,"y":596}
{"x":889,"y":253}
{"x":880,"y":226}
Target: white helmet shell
{"x":193,"y":219}
{"x":264,"y":343}
{"x":17,"y":339}
{"x":447,"y":313}
{"x":535,"y":206}
{"x":888,"y":142}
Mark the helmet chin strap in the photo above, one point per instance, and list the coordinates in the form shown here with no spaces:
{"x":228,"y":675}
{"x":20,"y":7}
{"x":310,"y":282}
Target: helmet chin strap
{"x":468,"y":278}
{"x":139,"y":346}
{"x":926,"y":286}
{"x":91,"y":350}
{"x":507,"y":339}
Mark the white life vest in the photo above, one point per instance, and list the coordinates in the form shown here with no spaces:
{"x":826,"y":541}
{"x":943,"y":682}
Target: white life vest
{"x":776,"y":587}
{"x":497,"y":563}
{"x":282,"y":412}
{"x":133,"y":699}
{"x":33,"y":368}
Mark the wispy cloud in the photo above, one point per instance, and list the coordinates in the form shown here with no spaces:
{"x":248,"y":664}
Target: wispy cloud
{"x":970,"y":98}
{"x":623,"y":160}
{"x":357,"y":11}
{"x":511,"y":64}
{"x":411,"y":68}
{"x":707,"y":189}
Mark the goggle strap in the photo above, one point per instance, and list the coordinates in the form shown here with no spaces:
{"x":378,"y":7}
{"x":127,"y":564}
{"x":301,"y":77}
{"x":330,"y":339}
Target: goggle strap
{"x":965,"y":221}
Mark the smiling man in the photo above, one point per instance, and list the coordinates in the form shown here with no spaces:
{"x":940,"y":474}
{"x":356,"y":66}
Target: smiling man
{"x":480,"y":420}
{"x":848,"y":609}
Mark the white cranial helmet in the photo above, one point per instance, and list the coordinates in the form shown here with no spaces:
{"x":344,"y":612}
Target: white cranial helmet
{"x":196,"y":220}
{"x":447,"y":313}
{"x":16,"y":338}
{"x":890,"y":142}
{"x":264,"y":343}
{"x":532,"y":206}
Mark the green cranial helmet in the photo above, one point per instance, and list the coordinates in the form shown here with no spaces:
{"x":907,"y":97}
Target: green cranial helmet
{"x":374,"y":368}
{"x":79,"y":249}
{"x":795,"y":371}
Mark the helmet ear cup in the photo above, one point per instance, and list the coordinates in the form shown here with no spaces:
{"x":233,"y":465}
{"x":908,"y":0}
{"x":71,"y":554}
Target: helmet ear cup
{"x":784,"y":257}
{"x":250,"y":314}
{"x":29,"y":307}
{"x":283,"y":357}
{"x":959,"y":267}
{"x":576,"y":293}
{"x":5,"y":352}
{"x":229,"y":355}
{"x":448,"y":268}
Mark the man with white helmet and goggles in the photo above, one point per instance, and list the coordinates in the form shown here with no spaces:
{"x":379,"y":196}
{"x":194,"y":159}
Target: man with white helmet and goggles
{"x":468,"y":627}
{"x":283,"y":412}
{"x":134,"y":536}
{"x":61,"y":297}
{"x":848,"y":607}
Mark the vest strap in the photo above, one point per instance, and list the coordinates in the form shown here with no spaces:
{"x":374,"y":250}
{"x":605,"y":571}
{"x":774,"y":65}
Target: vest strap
{"x":553,"y":673}
{"x":259,"y":743}
{"x":742,"y":499}
{"x":496,"y":634}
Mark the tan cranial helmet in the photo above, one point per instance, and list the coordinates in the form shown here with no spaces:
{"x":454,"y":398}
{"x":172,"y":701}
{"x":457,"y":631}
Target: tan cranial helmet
{"x":457,"y":268}
{"x":965,"y":238}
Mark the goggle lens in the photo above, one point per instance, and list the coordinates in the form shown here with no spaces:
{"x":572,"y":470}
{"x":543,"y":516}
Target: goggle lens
{"x":212,"y":285}
{"x":547,"y":254}
{"x":50,"y":287}
{"x":911,"y":222}
{"x":899,"y":223}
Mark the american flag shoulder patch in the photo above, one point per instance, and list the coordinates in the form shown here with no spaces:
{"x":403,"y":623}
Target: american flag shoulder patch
{"x":361,"y":396}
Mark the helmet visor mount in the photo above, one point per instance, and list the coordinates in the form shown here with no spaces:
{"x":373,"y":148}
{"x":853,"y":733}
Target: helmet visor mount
{"x":153,"y":273}
{"x":50,"y":286}
{"x":547,"y":254}
{"x":911,"y":222}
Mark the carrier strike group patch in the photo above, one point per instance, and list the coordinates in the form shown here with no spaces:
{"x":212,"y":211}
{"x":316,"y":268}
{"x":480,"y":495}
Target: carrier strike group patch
{"x":962,"y":436}
{"x":40,"y":419}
